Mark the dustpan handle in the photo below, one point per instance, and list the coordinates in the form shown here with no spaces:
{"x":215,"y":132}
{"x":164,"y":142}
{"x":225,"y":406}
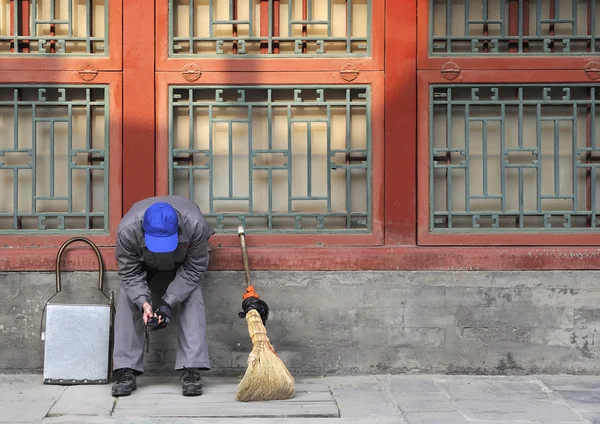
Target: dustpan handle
{"x":58,"y":277}
{"x":98,"y":256}
{"x":242,"y":235}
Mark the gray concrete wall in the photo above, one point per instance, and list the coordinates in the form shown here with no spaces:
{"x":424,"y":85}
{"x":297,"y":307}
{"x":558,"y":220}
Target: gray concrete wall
{"x":361,"y":322}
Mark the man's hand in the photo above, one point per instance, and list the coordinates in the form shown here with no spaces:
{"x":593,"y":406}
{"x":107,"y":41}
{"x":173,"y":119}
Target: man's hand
{"x":148,"y":312}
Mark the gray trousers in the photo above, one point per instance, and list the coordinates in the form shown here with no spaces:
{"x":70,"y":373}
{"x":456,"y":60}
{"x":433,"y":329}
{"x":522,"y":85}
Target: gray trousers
{"x":192,"y":349}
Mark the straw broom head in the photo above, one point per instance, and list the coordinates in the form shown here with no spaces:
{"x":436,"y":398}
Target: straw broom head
{"x":266,"y":378}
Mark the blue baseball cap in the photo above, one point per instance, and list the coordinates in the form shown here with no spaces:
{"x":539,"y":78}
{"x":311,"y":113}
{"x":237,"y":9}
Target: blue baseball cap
{"x":161,"y":228}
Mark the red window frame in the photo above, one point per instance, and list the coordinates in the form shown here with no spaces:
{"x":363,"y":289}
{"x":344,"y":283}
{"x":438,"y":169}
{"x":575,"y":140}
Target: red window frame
{"x":374,"y":79}
{"x":271,"y":62}
{"x":38,"y":252}
{"x":483,"y":62}
{"x":112,"y":62}
{"x":532,"y":237}
{"x":273,"y":70}
{"x":482,"y":69}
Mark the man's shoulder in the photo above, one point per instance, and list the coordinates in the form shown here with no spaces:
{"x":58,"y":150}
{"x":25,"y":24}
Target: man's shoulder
{"x":130,"y":232}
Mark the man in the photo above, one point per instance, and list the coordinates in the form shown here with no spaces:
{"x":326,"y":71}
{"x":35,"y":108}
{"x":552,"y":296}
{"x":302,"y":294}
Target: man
{"x":161,"y":235}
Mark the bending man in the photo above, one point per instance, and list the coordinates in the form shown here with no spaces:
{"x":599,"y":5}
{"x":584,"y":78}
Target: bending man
{"x":161,"y":235}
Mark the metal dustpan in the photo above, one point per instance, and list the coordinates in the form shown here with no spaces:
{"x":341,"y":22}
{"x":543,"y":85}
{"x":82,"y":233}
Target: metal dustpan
{"x":78,"y":331}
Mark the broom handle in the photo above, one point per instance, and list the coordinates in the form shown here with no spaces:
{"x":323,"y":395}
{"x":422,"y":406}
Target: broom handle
{"x":242,"y":235}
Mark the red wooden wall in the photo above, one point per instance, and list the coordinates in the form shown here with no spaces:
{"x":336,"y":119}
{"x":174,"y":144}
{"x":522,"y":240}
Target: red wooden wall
{"x":399,"y":72}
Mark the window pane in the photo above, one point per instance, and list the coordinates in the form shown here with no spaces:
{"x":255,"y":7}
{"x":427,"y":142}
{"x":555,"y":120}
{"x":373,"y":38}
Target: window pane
{"x":53,"y":158}
{"x":274,"y":158}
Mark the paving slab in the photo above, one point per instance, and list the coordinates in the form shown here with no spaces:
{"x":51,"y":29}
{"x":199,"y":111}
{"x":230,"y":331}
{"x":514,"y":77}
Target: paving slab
{"x":187,"y":408}
{"x":571,"y":382}
{"x":218,"y":401}
{"x":588,"y":400}
{"x":517,"y":410}
{"x":84,"y":400}
{"x":175,"y":420}
{"x":493,"y":389}
{"x":28,"y":389}
{"x":412,"y":384}
{"x":24,"y":399}
{"x":591,"y":417}
{"x":358,"y":400}
{"x":24,"y":411}
{"x":424,"y":402}
{"x":452,"y":417}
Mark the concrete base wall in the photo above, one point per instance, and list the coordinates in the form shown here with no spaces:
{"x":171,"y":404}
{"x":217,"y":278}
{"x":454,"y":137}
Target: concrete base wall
{"x":360,"y":322}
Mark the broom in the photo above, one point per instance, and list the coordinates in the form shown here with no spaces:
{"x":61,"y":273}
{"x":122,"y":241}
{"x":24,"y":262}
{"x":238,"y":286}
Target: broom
{"x":266,"y":378}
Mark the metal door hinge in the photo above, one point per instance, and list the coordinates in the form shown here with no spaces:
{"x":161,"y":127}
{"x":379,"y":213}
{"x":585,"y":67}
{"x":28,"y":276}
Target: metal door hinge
{"x":349,"y":72}
{"x":191,"y":72}
{"x":88,"y":72}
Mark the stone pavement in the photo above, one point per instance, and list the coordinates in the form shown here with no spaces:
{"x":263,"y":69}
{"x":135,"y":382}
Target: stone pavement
{"x":385,"y":399}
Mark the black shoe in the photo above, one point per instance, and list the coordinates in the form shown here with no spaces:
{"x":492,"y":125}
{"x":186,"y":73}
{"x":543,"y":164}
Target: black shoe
{"x":124,"y":382}
{"x":192,"y":382}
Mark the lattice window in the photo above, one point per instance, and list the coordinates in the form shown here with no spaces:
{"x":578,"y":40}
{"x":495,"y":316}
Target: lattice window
{"x":70,"y":27}
{"x":274,"y":158}
{"x":53,"y":158}
{"x":507,"y":157}
{"x":475,"y":27}
{"x":244,"y":28}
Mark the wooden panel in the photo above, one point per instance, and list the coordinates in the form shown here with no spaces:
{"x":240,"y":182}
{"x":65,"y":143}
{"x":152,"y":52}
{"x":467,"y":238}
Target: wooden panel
{"x":272,"y":64}
{"x":475,"y":237}
{"x":493,"y":61}
{"x":138,"y":102}
{"x":114,"y":181}
{"x":66,"y":62}
{"x":400,"y":123}
{"x":295,"y":78}
{"x":218,"y":401}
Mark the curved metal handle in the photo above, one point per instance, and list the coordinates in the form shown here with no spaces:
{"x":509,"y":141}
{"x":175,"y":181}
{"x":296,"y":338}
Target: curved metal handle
{"x":98,"y":255}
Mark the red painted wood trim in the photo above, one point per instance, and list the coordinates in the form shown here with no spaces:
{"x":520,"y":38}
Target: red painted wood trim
{"x":522,"y":62}
{"x":378,"y":33}
{"x":276,"y":24}
{"x":25,"y":19}
{"x":298,"y":240}
{"x":404,"y":258}
{"x":266,"y":65}
{"x":489,"y":76}
{"x":264,"y":25}
{"x":423,"y":156}
{"x":377,"y":154}
{"x":272,"y":64}
{"x":138,"y":101}
{"x":161,"y":24}
{"x":422,"y":33}
{"x":400,"y":119}
{"x":516,"y":62}
{"x":115,"y":158}
{"x":269,"y":78}
{"x":163,"y":80}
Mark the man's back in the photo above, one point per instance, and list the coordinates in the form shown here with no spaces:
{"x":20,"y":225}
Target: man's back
{"x":185,"y":207}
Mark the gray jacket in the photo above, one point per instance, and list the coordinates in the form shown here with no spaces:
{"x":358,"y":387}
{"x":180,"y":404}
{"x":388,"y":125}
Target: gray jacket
{"x":190,"y":258}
